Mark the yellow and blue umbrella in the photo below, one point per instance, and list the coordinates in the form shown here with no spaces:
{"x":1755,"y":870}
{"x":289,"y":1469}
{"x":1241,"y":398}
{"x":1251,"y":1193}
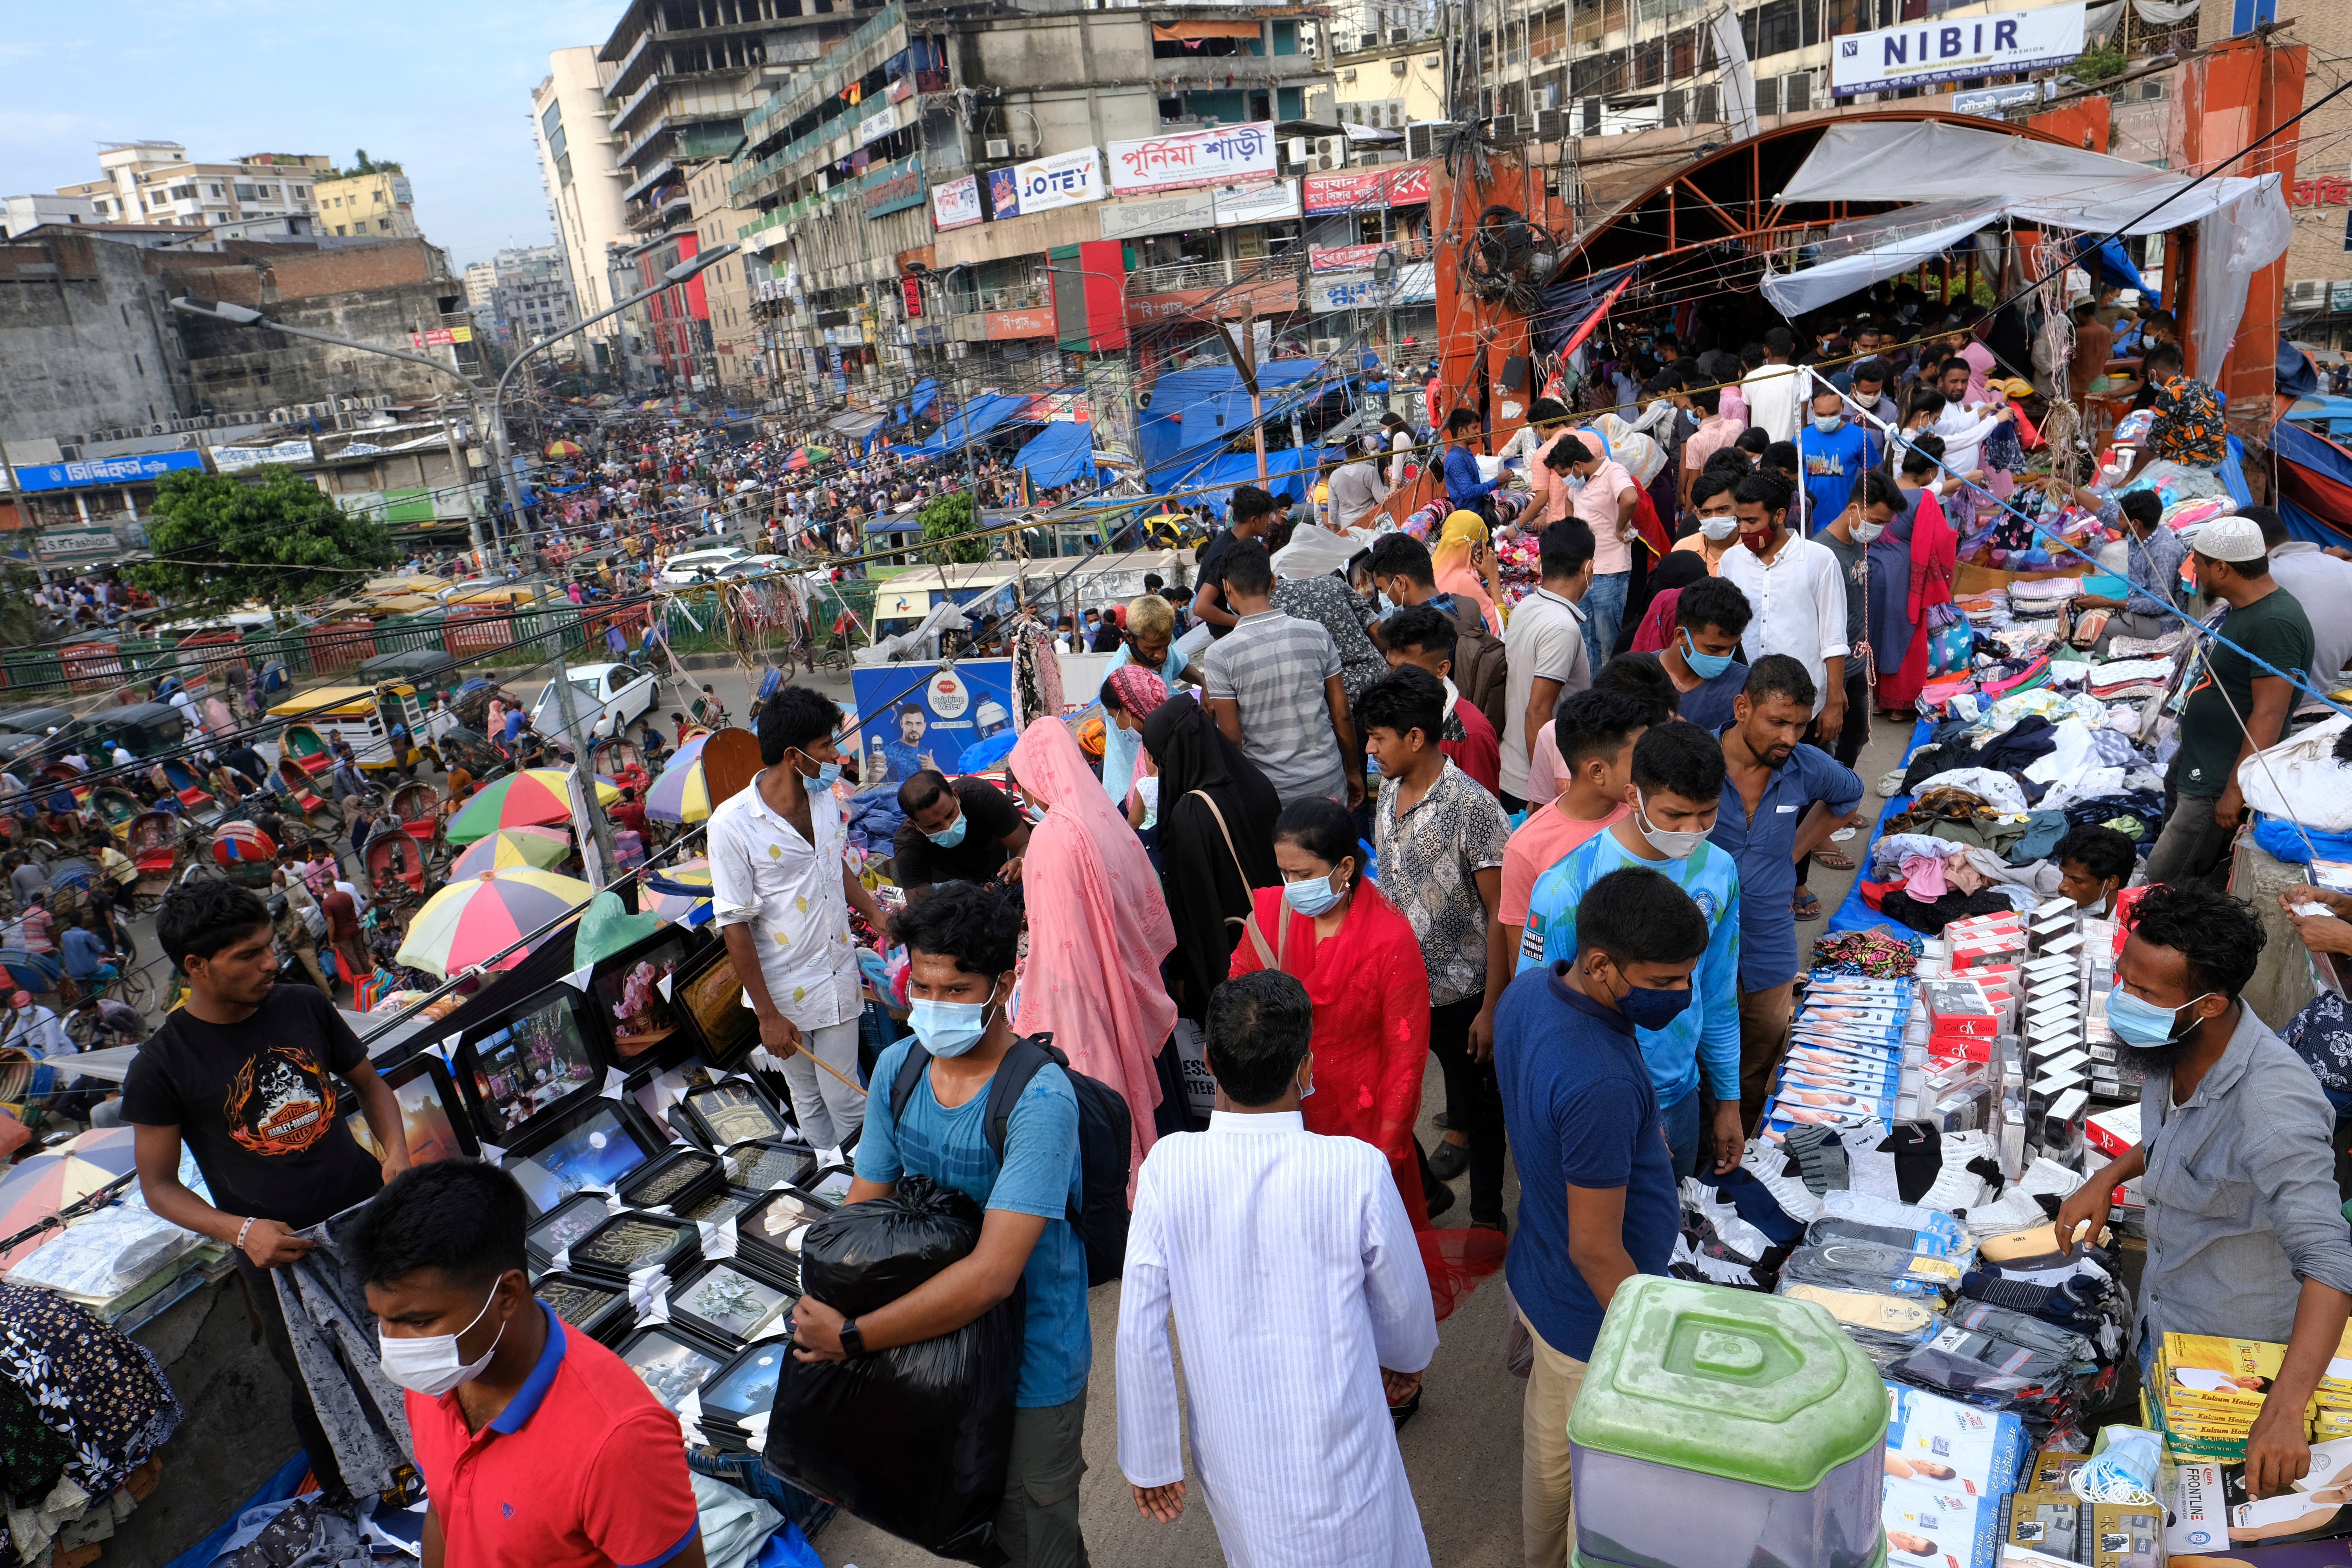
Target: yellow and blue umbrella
{"x":680,"y":793}
{"x":680,"y":893}
{"x":510,"y":847}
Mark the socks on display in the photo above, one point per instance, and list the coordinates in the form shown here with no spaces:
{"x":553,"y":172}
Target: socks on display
{"x":2072,"y":1305}
{"x":1769,"y":1166}
{"x":1819,"y":1155}
{"x":1760,"y":1207}
{"x":1870,"y":1167}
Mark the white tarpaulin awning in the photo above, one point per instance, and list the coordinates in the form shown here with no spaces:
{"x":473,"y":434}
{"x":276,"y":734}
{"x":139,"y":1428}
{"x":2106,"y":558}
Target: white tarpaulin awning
{"x":1960,"y":179}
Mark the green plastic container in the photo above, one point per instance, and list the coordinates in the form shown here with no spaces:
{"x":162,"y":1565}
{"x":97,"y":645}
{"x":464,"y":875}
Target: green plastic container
{"x":1720,"y":1427}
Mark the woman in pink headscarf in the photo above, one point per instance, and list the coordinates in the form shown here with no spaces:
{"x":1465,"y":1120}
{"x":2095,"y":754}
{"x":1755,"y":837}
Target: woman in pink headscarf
{"x":1098,"y":927}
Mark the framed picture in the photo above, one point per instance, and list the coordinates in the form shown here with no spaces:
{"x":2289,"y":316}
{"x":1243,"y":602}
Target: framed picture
{"x":769,"y":1163}
{"x":571,"y":1219}
{"x":659,"y":1090}
{"x":726,"y":1204}
{"x":768,"y":1232}
{"x":682,"y":1175}
{"x":746,"y":1386}
{"x":726,"y":1302}
{"x":641,"y":1024}
{"x":626,"y":1243}
{"x":672,"y":1365}
{"x":595,"y":1309}
{"x":735,"y":1111}
{"x":540,"y":1056}
{"x":432,"y":1113}
{"x":594,"y":1143}
{"x":711,"y":1001}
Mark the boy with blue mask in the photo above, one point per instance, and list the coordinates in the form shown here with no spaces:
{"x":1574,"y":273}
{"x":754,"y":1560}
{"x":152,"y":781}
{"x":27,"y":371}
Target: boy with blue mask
{"x":1693,"y":1056}
{"x":1597,"y":1184}
{"x":2249,"y":1244}
{"x":1703,"y":659}
{"x":931,"y":1119}
{"x":782,"y":890}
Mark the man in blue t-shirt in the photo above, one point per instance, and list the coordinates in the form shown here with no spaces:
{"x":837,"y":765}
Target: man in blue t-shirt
{"x":1597,"y":1190}
{"x":1677,"y":774}
{"x":1832,"y":453}
{"x":960,"y":946}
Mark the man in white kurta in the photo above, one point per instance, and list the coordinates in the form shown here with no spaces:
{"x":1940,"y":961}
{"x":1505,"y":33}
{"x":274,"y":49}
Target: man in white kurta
{"x":1293,"y":1278}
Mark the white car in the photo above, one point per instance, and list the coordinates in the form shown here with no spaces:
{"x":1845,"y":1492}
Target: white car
{"x":605,"y":696}
{"x":754,"y":565}
{"x":692,"y":566}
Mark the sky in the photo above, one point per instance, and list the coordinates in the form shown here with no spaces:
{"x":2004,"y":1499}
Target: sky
{"x":439,"y":86}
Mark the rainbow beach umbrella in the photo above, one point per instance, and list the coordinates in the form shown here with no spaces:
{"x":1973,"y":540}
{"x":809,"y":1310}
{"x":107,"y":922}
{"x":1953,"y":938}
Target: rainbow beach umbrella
{"x":466,"y":923}
{"x":512,"y":847}
{"x":39,"y":1186}
{"x":680,"y":793}
{"x":680,"y":893}
{"x":534,"y":797}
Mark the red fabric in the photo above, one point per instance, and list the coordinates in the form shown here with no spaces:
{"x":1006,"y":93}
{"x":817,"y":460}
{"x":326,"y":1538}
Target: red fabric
{"x":589,"y":1472}
{"x":1645,"y":521}
{"x":1935,"y":552}
{"x":1477,"y":752}
{"x":1657,"y":627}
{"x":1370,"y":992}
{"x":1871,"y":892}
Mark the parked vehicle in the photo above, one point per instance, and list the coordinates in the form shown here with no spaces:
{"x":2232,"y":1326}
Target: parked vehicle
{"x":387,"y":728}
{"x":606,"y":698}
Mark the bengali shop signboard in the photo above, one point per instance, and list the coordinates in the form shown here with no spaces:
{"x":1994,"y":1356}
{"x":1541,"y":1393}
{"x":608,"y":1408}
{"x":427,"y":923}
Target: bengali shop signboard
{"x":1343,"y":257}
{"x":1273,"y":294}
{"x":956,"y":205}
{"x":105,"y":470}
{"x":1223,"y":156}
{"x":1368,"y":190}
{"x":1330,"y":292}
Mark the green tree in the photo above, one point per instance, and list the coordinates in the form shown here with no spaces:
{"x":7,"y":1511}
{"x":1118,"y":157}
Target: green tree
{"x":275,"y":537}
{"x":22,"y":624}
{"x":949,"y":517}
{"x":2097,"y":65}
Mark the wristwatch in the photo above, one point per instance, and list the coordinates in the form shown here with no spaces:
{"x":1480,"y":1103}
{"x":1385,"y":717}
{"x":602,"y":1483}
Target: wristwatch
{"x":853,"y":1344}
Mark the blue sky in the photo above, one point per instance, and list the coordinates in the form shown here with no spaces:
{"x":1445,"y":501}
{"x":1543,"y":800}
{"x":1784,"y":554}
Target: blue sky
{"x":442,"y":87}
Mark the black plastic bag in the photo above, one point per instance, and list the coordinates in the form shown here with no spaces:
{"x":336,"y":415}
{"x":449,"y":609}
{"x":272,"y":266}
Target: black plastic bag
{"x":913,"y":1440}
{"x":865,"y":1255}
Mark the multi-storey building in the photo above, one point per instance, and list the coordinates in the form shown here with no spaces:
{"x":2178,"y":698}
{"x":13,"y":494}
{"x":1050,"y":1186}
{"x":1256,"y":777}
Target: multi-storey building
{"x":481,"y":287}
{"x":378,"y":203}
{"x":18,"y":214}
{"x":155,"y":183}
{"x":571,"y":128}
{"x":734,"y":360}
{"x":530,"y":294}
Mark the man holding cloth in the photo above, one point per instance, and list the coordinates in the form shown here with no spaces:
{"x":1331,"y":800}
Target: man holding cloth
{"x":1311,"y":1229}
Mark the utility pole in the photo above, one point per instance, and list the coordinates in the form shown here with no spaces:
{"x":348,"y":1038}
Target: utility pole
{"x":458,"y":472}
{"x":583,"y":772}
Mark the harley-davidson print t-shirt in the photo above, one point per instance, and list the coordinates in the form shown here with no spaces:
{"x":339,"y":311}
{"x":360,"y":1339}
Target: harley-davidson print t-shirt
{"x":256,"y":1104}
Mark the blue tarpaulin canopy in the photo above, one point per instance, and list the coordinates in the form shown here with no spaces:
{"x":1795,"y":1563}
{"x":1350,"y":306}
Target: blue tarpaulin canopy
{"x":1194,"y":413}
{"x":926,"y":393}
{"x":1059,"y":454}
{"x":976,"y":417}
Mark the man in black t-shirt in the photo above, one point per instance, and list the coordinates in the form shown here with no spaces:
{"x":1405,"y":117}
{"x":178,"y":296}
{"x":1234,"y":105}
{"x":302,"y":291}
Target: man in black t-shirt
{"x":1252,"y":518}
{"x":243,"y":1074}
{"x":960,"y":831}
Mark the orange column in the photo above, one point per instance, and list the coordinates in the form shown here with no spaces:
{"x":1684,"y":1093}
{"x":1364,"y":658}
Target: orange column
{"x":2247,"y":88}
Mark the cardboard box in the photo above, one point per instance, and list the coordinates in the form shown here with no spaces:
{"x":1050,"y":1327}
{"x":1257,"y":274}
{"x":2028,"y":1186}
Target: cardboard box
{"x":2048,"y":1521}
{"x":1986,"y":1449}
{"x":2053,"y":1471}
{"x":1932,"y":1522}
{"x":2113,"y":1134}
{"x":2119,"y":1530}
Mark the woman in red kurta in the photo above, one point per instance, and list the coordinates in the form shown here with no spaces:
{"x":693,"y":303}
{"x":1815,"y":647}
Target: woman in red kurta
{"x":1361,"y":966}
{"x":1934,"y":551}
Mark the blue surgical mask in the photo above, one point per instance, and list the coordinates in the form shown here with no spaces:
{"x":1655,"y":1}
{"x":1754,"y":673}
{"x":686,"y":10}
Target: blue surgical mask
{"x":1312,"y":896}
{"x":1706,"y":666}
{"x":950,"y":836}
{"x":2142,"y":1024}
{"x":1647,"y":1007}
{"x":948,"y":1028}
{"x":827,"y":774}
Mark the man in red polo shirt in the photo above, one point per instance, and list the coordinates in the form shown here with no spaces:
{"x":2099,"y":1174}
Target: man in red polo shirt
{"x":540,"y":1447}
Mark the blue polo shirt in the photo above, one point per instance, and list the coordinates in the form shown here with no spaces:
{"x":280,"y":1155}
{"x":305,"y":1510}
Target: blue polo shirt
{"x":1708,"y":1030}
{"x":1765,"y":847}
{"x":1578,"y":1108}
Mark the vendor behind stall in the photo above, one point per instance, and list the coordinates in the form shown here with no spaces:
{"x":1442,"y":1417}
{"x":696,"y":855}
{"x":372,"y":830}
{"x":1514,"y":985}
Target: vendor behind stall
{"x":961,"y":830}
{"x":2245,"y":1239}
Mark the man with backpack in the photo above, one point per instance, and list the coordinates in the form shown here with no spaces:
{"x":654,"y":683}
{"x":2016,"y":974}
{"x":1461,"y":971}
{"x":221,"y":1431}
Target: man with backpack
{"x":997,"y":1117}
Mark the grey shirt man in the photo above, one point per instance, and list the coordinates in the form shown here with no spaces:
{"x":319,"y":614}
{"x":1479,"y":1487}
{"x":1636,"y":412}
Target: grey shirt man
{"x":2241,"y":1188}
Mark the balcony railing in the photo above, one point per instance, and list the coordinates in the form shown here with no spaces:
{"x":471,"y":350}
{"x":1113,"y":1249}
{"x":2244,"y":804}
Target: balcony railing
{"x":1183,"y":276}
{"x":795,"y":100}
{"x":620,"y":117}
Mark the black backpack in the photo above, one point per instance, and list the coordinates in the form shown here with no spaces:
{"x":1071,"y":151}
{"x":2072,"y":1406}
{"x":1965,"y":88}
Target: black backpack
{"x":1106,"y":1138}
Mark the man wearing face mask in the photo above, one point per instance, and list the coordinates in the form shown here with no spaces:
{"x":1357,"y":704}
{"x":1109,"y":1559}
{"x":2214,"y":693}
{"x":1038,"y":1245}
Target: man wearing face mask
{"x":938,"y":1110}
{"x":1597,"y":1184}
{"x":1603,"y":497}
{"x":1715,"y":431}
{"x":1781,"y":800}
{"x":779,"y":881}
{"x":1703,"y":660}
{"x":2245,"y":1237}
{"x":1832,"y":453}
{"x":1693,"y":1056}
{"x":244,"y":1073}
{"x":963,"y":831}
{"x":539,"y":1446}
{"x":1797,"y":591}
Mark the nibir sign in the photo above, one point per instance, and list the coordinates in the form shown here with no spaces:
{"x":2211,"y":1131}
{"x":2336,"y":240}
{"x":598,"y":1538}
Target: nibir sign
{"x":1954,"y":48}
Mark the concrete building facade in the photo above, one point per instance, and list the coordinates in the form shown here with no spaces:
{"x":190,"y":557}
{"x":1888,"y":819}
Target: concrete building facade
{"x":570,"y":129}
{"x":156,"y":183}
{"x":18,"y":214}
{"x":378,"y":205}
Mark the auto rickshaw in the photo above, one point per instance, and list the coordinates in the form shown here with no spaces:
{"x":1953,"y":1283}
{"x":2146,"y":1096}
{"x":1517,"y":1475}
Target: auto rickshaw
{"x":154,"y":841}
{"x":302,"y":744}
{"x":396,"y":867}
{"x":417,"y":809}
{"x":244,"y":854}
{"x":388,"y":730}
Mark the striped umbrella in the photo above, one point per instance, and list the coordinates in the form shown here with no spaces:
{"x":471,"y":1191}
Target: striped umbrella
{"x":39,"y":1186}
{"x":680,"y":794}
{"x":509,"y":846}
{"x":681,"y":892}
{"x":563,"y":448}
{"x":466,"y":923}
{"x":534,"y":796}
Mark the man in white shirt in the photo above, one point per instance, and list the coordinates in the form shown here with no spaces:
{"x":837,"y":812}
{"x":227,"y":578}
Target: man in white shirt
{"x":1356,"y":489}
{"x":1548,"y":657}
{"x":1398,"y":437}
{"x":779,"y":881}
{"x":2321,"y":585}
{"x":1309,"y":1230}
{"x":1772,"y":390}
{"x":33,"y":1027}
{"x":1797,"y":591}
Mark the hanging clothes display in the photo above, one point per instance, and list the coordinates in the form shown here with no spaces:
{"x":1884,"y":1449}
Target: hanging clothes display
{"x":364,"y":1413}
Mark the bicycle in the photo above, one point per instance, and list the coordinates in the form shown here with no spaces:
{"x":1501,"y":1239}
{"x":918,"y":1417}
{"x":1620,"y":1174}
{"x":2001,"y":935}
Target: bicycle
{"x":132,"y":988}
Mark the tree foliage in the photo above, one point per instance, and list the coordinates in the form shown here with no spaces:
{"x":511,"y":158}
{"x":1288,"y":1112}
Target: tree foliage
{"x":278,"y":537}
{"x":2096,"y":66}
{"x":949,"y":518}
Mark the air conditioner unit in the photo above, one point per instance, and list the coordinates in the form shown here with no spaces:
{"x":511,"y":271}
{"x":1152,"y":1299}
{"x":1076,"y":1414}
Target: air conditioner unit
{"x":1503,"y":127}
{"x":1796,"y":92}
{"x":2307,"y":294}
{"x":1326,"y":346}
{"x":1399,"y":35}
{"x":1421,"y":141}
{"x":1024,"y":148}
{"x":1433,"y":61}
{"x":1673,"y":105}
{"x":1551,"y":125}
{"x":1334,"y":146}
{"x":1396,"y":67}
{"x":1327,"y":162}
{"x":998,"y":149}
{"x":1592,"y":108}
{"x":1347,"y":75}
{"x":2149,"y":91}
{"x":1548,"y":97}
{"x":1368,"y":41}
{"x":1708,"y":109}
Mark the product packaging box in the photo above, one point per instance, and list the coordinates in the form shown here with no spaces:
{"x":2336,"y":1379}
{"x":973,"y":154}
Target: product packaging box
{"x":1986,"y":1451}
{"x":2050,"y":1521}
{"x":2120,"y":1529}
{"x":1930,"y":1521}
